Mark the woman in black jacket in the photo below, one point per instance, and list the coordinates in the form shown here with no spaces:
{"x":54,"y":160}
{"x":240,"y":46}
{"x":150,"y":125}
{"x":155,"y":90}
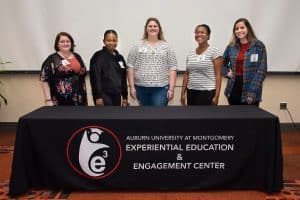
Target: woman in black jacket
{"x":108,"y":73}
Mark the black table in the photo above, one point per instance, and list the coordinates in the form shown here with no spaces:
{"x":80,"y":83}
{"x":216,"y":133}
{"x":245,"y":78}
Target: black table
{"x":152,"y":148}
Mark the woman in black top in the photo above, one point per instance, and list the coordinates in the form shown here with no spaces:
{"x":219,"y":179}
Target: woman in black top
{"x":108,"y":73}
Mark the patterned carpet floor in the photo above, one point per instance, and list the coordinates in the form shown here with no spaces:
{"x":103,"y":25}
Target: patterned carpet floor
{"x":291,"y":191}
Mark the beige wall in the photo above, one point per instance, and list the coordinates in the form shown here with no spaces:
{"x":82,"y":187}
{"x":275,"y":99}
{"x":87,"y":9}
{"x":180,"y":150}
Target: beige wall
{"x":24,"y":94}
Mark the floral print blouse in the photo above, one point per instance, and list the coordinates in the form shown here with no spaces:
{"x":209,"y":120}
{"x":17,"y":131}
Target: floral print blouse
{"x":66,"y":81}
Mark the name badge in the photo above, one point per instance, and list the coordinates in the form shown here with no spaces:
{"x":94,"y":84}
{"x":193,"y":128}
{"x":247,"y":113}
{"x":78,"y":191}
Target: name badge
{"x":121,"y":64}
{"x":143,"y":50}
{"x":65,"y":62}
{"x":254,"y":57}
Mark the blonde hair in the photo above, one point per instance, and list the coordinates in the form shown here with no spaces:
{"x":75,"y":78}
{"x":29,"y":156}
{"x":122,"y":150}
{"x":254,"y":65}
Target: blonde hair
{"x":160,"y":33}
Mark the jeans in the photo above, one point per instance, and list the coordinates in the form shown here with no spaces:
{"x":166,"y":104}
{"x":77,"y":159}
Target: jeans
{"x":152,"y":96}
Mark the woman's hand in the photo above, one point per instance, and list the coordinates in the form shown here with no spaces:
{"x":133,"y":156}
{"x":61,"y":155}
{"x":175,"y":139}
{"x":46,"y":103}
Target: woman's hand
{"x":250,"y":100}
{"x":124,"y":102}
{"x":182,"y":100}
{"x":229,"y":74}
{"x":215,"y":100}
{"x":170,"y":94}
{"x":99,"y":102}
{"x":133,"y":92}
{"x":49,"y":102}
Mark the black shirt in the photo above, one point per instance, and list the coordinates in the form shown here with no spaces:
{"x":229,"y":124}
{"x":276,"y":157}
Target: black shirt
{"x":108,"y":74}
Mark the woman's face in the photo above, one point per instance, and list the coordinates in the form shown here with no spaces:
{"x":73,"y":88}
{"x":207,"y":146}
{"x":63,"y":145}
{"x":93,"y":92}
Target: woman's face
{"x":64,"y":44}
{"x":241,"y":30}
{"x":201,"y":35}
{"x":110,"y":41}
{"x":152,"y":29}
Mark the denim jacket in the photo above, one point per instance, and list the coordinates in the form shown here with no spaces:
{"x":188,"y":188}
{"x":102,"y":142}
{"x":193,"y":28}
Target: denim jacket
{"x":254,"y":69}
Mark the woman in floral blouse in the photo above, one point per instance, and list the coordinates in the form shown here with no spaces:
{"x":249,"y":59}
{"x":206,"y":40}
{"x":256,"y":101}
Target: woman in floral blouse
{"x":63,"y":73}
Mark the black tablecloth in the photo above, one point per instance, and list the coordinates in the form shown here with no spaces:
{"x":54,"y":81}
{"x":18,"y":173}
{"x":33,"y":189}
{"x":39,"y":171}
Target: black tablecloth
{"x":132,"y":148}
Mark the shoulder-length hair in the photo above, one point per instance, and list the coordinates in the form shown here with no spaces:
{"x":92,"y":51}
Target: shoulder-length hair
{"x":68,"y":36}
{"x":160,"y":33}
{"x":250,"y":36}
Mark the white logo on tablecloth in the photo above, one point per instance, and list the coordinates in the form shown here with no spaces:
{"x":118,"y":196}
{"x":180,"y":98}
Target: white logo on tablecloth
{"x":92,"y":165}
{"x":94,"y":152}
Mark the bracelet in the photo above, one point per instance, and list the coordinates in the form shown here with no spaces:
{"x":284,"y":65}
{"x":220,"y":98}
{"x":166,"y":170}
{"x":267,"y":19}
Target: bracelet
{"x":48,"y":100}
{"x":171,"y":90}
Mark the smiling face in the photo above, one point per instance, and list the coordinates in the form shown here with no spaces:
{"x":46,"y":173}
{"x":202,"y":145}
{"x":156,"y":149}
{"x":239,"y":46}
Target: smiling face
{"x":64,"y":44}
{"x":241,"y":31}
{"x":110,"y":41}
{"x":152,"y":29}
{"x":201,"y":35}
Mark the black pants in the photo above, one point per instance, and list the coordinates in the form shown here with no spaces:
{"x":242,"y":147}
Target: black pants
{"x":200,"y":97}
{"x":235,"y":97}
{"x":112,"y":99}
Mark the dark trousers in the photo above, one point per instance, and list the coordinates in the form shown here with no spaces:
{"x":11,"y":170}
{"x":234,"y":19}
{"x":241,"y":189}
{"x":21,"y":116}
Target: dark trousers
{"x":200,"y":97}
{"x":235,"y":97}
{"x":112,"y":99}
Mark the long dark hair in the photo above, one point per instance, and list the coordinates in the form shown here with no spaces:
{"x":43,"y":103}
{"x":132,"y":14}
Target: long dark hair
{"x":250,"y":36}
